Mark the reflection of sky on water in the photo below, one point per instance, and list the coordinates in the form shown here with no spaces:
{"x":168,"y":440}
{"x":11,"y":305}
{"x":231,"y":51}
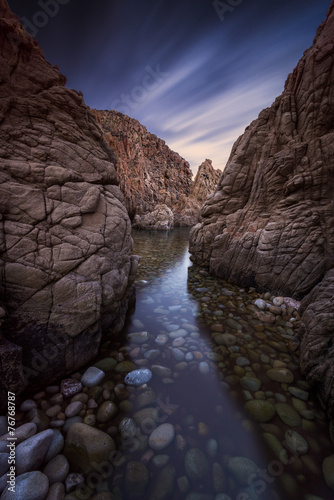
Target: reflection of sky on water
{"x":165,"y":266}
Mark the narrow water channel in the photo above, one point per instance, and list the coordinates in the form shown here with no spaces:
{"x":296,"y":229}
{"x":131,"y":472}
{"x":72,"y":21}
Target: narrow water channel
{"x":234,"y":432}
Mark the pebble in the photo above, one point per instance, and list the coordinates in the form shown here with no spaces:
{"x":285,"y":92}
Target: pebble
{"x":241,"y":361}
{"x":86,"y":446}
{"x":251,"y":383}
{"x":260,"y":411}
{"x":280,"y":375}
{"x":138,"y":377}
{"x":107,"y":411}
{"x":288,"y":414}
{"x":57,"y":469}
{"x":136,"y":478}
{"x":203,"y":368}
{"x":69,"y":387}
{"x":196,"y":465}
{"x":138,"y":337}
{"x":328,"y":471}
{"x":30,"y":453}
{"x":241,"y":469}
{"x":28,"y":405}
{"x":299,"y":393}
{"x":28,"y":486}
{"x":56,"y":445}
{"x":261,"y":304}
{"x":22,"y":432}
{"x":127,"y":428}
{"x":164,"y":484}
{"x":92,"y":376}
{"x":56,"y":492}
{"x":161,"y":437}
{"x":295,"y":443}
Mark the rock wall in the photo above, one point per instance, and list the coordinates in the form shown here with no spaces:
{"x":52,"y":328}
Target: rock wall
{"x":65,"y":236}
{"x":150,"y":173}
{"x":205,"y":182}
{"x":270,"y":223}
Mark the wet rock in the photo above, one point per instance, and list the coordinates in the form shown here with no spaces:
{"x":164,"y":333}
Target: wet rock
{"x":196,"y":465}
{"x":136,"y":479}
{"x":138,"y":337}
{"x":251,"y":382}
{"x":161,"y":371}
{"x":57,"y":469}
{"x":125,"y":367}
{"x":56,"y":492}
{"x":4,"y":465}
{"x":288,"y":415}
{"x":39,"y":418}
{"x":299,"y":393}
{"x":73,"y":480}
{"x":85,"y":446}
{"x":328,"y":471}
{"x":28,"y":486}
{"x":261,"y":304}
{"x":73,"y":409}
{"x":147,"y":418}
{"x":127,"y":428}
{"x":203,"y":368}
{"x":218,"y":478}
{"x":56,"y":445}
{"x":295,"y":443}
{"x":282,"y":375}
{"x":30,"y":454}
{"x":138,"y":377}
{"x":164,"y":485}
{"x":260,"y":411}
{"x":27,"y":405}
{"x":22,"y":433}
{"x":92,"y":376}
{"x":106,"y":364}
{"x":161,"y":437}
{"x":242,"y":468}
{"x":107,"y":411}
{"x":69,"y":387}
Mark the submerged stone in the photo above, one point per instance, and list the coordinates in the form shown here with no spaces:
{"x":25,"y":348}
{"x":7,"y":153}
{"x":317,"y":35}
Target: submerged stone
{"x":138,"y":377}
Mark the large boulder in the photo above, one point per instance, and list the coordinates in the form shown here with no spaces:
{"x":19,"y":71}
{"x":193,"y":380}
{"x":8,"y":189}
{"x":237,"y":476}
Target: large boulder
{"x":66,"y":268}
{"x":270,"y":222}
{"x":160,"y":219}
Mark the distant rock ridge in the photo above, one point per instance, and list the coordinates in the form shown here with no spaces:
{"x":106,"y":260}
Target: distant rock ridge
{"x":152,"y":175}
{"x":270,"y":222}
{"x":66,"y":270}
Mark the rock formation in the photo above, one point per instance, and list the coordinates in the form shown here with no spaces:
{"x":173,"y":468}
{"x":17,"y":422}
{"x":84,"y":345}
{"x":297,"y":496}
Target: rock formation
{"x":161,"y":219}
{"x":66,"y":266}
{"x":150,"y":173}
{"x":205,"y":182}
{"x":270,"y":223}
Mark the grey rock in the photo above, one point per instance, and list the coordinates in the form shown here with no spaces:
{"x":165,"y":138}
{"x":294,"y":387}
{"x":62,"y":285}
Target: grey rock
{"x":92,"y":376}
{"x":138,"y":377}
{"x":57,"y":469}
{"x":28,"y":486}
{"x":31,"y":453}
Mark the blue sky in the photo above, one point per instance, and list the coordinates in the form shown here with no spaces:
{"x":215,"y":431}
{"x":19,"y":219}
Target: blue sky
{"x":195,"y":73}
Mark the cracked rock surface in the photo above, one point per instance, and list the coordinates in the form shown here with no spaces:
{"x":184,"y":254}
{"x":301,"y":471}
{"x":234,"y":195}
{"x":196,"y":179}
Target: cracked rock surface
{"x":66,"y":265}
{"x":270,"y":222}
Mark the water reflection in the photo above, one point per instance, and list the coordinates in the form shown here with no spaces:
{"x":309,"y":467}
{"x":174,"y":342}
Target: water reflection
{"x":217,"y":452}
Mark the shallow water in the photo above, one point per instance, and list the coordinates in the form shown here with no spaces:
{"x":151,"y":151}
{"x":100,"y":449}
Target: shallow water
{"x":203,"y":397}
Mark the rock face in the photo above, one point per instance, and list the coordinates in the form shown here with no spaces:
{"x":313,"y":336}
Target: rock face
{"x":150,"y":173}
{"x":270,"y":223}
{"x":65,"y":238}
{"x":161,"y":219}
{"x":205,"y":182}
{"x":316,"y":337}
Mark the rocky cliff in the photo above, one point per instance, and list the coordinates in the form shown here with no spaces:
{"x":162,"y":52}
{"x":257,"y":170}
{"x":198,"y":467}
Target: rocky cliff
{"x":205,"y":182}
{"x":270,"y":223}
{"x":150,"y":173}
{"x":66,"y":267}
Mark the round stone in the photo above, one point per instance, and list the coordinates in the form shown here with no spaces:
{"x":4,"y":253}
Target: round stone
{"x":127,"y":428}
{"x":29,"y":486}
{"x":161,"y":437}
{"x":69,"y":387}
{"x":57,"y":469}
{"x":242,"y":468}
{"x":328,"y":471}
{"x":92,"y":376}
{"x":138,"y":337}
{"x":73,"y":409}
{"x":288,"y":415}
{"x":107,"y":410}
{"x":203,"y":368}
{"x":196,"y":465}
{"x":259,"y":410}
{"x":295,"y":443}
{"x":250,"y":382}
{"x":261,"y":304}
{"x":125,"y":367}
{"x":136,"y":478}
{"x":282,"y":375}
{"x":138,"y":377}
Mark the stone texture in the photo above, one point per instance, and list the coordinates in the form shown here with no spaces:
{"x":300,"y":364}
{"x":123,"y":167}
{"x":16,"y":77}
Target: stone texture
{"x":270,"y":222}
{"x":160,"y":219}
{"x":66,"y":266}
{"x":205,"y":182}
{"x":150,"y":173}
{"x":316,"y":338}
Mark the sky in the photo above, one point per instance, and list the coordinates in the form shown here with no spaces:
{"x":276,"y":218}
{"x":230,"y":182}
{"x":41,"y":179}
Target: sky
{"x":193,"y":72}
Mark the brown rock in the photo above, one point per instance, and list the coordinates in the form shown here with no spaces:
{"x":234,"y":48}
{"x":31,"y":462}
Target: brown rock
{"x":270,"y":223}
{"x":66,"y":264}
{"x":150,"y":173}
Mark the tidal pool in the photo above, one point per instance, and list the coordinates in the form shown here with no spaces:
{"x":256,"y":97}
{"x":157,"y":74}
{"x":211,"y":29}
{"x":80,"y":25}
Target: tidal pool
{"x":242,"y":422}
